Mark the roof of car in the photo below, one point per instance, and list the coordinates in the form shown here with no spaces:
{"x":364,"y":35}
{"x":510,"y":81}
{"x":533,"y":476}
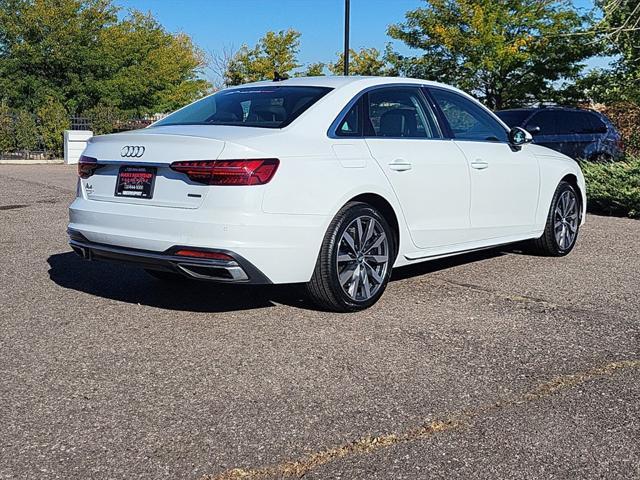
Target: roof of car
{"x":340,"y":81}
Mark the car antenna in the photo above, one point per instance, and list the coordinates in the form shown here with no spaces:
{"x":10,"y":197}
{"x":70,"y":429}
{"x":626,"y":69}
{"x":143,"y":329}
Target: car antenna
{"x":277,"y":77}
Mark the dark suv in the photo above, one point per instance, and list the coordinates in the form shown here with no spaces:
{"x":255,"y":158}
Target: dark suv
{"x":579,"y":134}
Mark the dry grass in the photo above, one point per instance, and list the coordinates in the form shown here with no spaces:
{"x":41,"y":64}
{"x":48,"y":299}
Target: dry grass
{"x":369,"y":444}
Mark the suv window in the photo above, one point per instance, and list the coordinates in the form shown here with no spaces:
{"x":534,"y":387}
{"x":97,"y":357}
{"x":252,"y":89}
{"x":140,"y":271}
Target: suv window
{"x":467,"y":120}
{"x":547,"y":121}
{"x":597,"y":125}
{"x":267,"y":107}
{"x":401,"y":113}
{"x":513,"y":118}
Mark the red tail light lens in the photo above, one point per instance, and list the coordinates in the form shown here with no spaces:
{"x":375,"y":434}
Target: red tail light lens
{"x":87,"y":166}
{"x":229,"y":172}
{"x":203,"y":254}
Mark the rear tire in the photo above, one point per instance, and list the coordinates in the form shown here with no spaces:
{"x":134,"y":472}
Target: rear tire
{"x":563,"y":223}
{"x":355,"y":260}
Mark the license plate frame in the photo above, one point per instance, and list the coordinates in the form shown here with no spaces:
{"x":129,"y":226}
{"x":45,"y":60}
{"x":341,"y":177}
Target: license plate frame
{"x":137,"y":182}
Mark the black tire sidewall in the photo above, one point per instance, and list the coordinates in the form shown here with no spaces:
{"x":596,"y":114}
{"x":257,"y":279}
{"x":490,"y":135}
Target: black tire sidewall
{"x":345,"y":218}
{"x":563,"y":187}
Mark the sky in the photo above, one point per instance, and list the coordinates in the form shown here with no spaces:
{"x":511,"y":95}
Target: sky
{"x":217,"y":24}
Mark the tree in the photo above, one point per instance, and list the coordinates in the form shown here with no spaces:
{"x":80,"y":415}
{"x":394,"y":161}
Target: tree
{"x":6,"y":129}
{"x":507,"y":52}
{"x":619,"y":32}
{"x":25,"y":131}
{"x":82,"y":52}
{"x":368,"y":61}
{"x":274,"y":52}
{"x":54,"y":120}
{"x":313,"y":70}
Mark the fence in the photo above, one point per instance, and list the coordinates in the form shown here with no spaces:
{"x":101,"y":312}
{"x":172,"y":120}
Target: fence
{"x":11,"y":150}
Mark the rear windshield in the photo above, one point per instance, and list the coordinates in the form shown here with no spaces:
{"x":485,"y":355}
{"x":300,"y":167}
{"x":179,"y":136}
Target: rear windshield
{"x":514,"y":118}
{"x":267,"y":107}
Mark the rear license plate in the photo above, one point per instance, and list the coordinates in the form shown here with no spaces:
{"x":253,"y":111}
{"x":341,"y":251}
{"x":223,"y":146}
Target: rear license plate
{"x":135,"y":182}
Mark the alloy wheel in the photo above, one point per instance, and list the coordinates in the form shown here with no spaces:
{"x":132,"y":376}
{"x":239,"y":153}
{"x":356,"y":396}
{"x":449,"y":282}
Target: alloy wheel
{"x":566,"y":220}
{"x":362,"y":258}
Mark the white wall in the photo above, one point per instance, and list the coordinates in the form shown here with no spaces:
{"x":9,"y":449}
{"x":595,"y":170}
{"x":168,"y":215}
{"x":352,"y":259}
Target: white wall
{"x":75,"y":142}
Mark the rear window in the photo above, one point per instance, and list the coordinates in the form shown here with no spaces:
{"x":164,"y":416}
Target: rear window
{"x":514,"y":118}
{"x":266,"y":107}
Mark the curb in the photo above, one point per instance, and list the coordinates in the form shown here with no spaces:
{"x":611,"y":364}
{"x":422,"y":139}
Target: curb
{"x":55,"y":161}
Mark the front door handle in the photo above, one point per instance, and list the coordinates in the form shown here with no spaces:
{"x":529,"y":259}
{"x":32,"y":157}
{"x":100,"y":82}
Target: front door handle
{"x":479,"y":164}
{"x":400,"y":165}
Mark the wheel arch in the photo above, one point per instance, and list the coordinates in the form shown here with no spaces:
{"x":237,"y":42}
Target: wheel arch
{"x":385,"y":208}
{"x":572,"y":180}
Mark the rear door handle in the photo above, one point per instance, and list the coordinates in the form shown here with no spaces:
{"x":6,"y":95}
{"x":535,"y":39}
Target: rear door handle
{"x":479,"y":164}
{"x":400,"y":165}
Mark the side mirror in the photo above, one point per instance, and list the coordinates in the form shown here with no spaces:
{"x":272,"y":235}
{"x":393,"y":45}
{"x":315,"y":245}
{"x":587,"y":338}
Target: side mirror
{"x":519,"y":136}
{"x":534,"y":129}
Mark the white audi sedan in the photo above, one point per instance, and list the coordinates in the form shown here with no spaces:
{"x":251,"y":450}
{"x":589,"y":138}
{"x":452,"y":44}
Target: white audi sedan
{"x":327,"y":181}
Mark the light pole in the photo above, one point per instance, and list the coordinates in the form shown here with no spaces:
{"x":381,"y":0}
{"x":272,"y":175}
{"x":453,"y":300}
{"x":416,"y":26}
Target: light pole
{"x":347,"y":8}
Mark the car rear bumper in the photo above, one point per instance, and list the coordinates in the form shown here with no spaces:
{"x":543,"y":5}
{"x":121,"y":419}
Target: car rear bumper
{"x":284,"y":248}
{"x":238,"y":270}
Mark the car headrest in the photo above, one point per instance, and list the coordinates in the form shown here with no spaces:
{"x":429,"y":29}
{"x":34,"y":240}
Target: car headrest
{"x":399,"y":122}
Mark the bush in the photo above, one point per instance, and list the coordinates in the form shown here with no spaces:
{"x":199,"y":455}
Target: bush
{"x":6,"y":129}
{"x":54,"y":120}
{"x":25,"y":131}
{"x":104,"y":118}
{"x":613,"y":188}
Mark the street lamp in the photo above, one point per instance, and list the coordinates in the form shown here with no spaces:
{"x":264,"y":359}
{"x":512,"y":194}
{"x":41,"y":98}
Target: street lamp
{"x":347,"y":8}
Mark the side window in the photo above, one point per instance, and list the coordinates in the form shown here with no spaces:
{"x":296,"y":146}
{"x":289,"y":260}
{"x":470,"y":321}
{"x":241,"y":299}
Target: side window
{"x":400,"y":113}
{"x":351,"y":125}
{"x":546,"y":121}
{"x":468,"y":120}
{"x":597,"y":125}
{"x":579,"y":123}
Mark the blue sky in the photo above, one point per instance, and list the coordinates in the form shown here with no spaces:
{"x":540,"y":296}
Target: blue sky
{"x":215,"y":24}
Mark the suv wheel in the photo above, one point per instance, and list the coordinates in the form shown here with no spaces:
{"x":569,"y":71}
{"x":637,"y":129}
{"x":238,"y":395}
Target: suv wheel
{"x":355,"y":260}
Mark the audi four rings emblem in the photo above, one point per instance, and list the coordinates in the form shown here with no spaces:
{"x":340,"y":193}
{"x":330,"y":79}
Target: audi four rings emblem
{"x":132,"y":151}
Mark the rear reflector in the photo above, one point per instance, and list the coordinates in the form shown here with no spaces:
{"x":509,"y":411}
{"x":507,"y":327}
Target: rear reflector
{"x":229,"y":172}
{"x":87,"y":166}
{"x":203,"y":254}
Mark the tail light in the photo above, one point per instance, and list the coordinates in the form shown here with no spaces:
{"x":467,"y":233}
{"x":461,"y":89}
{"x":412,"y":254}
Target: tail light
{"x":203,"y":254}
{"x":229,"y":172}
{"x":87,"y":166}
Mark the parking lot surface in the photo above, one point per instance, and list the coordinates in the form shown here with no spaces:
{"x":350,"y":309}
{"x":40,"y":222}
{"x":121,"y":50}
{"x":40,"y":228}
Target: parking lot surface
{"x":492,"y":365}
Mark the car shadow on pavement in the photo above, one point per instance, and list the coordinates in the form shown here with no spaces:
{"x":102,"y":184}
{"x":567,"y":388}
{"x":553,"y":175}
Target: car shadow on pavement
{"x":125,"y":283}
{"x":130,"y":284}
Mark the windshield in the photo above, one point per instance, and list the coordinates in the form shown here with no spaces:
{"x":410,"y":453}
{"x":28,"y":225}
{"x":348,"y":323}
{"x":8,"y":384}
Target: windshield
{"x":514,"y":118}
{"x":267,"y":107}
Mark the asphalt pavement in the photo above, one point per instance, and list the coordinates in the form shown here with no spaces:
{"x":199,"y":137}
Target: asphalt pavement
{"x":494,"y":365}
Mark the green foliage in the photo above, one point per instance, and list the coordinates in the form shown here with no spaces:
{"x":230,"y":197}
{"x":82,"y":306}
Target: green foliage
{"x":619,"y":32}
{"x":368,"y":61}
{"x":507,"y":52}
{"x":313,"y":70}
{"x":275,"y":52}
{"x":104,"y":118}
{"x":613,"y":188}
{"x":82,"y":53}
{"x":54,"y":120}
{"x":6,"y":128}
{"x":25,"y":131}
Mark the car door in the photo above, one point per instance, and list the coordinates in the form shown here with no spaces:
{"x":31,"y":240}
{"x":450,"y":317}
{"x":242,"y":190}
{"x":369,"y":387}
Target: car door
{"x":504,"y":179}
{"x":428,"y":173}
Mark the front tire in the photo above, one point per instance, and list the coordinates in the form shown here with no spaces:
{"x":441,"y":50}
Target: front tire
{"x":355,"y":260}
{"x":563,"y":223}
